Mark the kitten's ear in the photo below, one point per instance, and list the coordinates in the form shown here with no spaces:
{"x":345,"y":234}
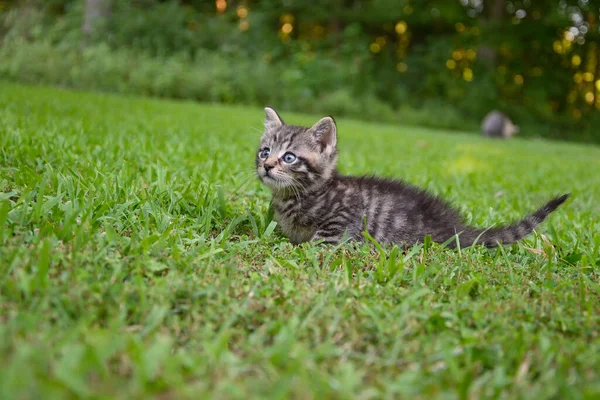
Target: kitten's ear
{"x":272,"y":119}
{"x":325,"y":132}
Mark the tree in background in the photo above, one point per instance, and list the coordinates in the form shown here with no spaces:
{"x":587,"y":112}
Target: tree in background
{"x":96,"y":12}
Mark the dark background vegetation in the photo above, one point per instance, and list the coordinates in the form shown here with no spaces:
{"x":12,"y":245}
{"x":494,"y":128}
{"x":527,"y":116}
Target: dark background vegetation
{"x":439,"y":63}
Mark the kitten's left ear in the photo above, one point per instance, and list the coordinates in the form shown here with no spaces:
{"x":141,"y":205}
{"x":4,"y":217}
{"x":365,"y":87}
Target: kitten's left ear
{"x":325,"y":132}
{"x":272,"y":119}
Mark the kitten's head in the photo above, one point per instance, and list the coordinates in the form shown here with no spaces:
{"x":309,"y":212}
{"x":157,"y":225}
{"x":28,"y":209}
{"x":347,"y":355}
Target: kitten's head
{"x":296,"y":158}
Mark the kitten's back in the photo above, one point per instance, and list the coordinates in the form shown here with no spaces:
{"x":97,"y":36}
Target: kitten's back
{"x":398,"y":212}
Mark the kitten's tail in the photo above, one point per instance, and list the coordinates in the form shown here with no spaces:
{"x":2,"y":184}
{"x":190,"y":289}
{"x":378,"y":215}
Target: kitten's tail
{"x":494,"y":237}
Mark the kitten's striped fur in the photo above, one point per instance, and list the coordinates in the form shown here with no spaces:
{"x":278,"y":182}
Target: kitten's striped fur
{"x":314,"y":202}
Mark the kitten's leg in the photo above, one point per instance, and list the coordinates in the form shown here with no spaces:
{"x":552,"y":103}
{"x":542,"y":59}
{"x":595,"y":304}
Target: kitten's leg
{"x":332,"y":235}
{"x":337,"y":231}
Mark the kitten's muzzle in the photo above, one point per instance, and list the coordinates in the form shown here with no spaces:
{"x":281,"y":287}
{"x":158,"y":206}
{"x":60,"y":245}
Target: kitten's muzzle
{"x":268,"y":167}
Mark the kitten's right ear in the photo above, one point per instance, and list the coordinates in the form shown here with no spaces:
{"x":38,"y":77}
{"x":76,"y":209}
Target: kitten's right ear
{"x":272,"y":119}
{"x":325,"y":133}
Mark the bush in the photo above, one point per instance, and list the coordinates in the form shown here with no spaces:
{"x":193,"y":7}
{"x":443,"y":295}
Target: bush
{"x":339,"y":102}
{"x":435,"y":114}
{"x":212,"y":77}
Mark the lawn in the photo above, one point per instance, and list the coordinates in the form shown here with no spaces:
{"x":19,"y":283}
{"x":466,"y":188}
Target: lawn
{"x":139,"y":259}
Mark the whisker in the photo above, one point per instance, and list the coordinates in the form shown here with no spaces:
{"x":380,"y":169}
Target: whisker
{"x":289,"y":184}
{"x":294,"y":184}
{"x":245,"y":171}
{"x":259,"y":131}
{"x":246,"y":176}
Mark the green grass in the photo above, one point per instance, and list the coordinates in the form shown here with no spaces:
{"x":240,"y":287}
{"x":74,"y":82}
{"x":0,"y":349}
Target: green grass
{"x":138,"y":259}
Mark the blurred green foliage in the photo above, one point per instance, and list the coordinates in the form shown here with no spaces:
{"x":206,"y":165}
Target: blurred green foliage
{"x":442,"y":63}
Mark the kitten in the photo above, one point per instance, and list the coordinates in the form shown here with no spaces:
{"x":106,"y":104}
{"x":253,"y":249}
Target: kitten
{"x":497,"y":125}
{"x":313,"y":202}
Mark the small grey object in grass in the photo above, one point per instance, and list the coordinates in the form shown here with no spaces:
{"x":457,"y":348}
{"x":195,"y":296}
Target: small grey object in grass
{"x":498,"y":125}
{"x":314,"y":202}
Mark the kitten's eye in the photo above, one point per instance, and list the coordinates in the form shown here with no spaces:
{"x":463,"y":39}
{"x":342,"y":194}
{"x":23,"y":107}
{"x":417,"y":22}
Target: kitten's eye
{"x":264,"y":153}
{"x":289,"y":158}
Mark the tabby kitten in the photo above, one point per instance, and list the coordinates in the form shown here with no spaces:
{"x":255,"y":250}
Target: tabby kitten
{"x":313,"y":202}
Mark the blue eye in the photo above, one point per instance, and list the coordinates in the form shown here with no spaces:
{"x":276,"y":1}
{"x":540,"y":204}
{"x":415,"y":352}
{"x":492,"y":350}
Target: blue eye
{"x":264,"y":153}
{"x":289,"y":158}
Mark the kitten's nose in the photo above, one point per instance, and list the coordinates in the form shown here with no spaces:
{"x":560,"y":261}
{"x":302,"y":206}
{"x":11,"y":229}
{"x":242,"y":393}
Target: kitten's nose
{"x":268,"y":167}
